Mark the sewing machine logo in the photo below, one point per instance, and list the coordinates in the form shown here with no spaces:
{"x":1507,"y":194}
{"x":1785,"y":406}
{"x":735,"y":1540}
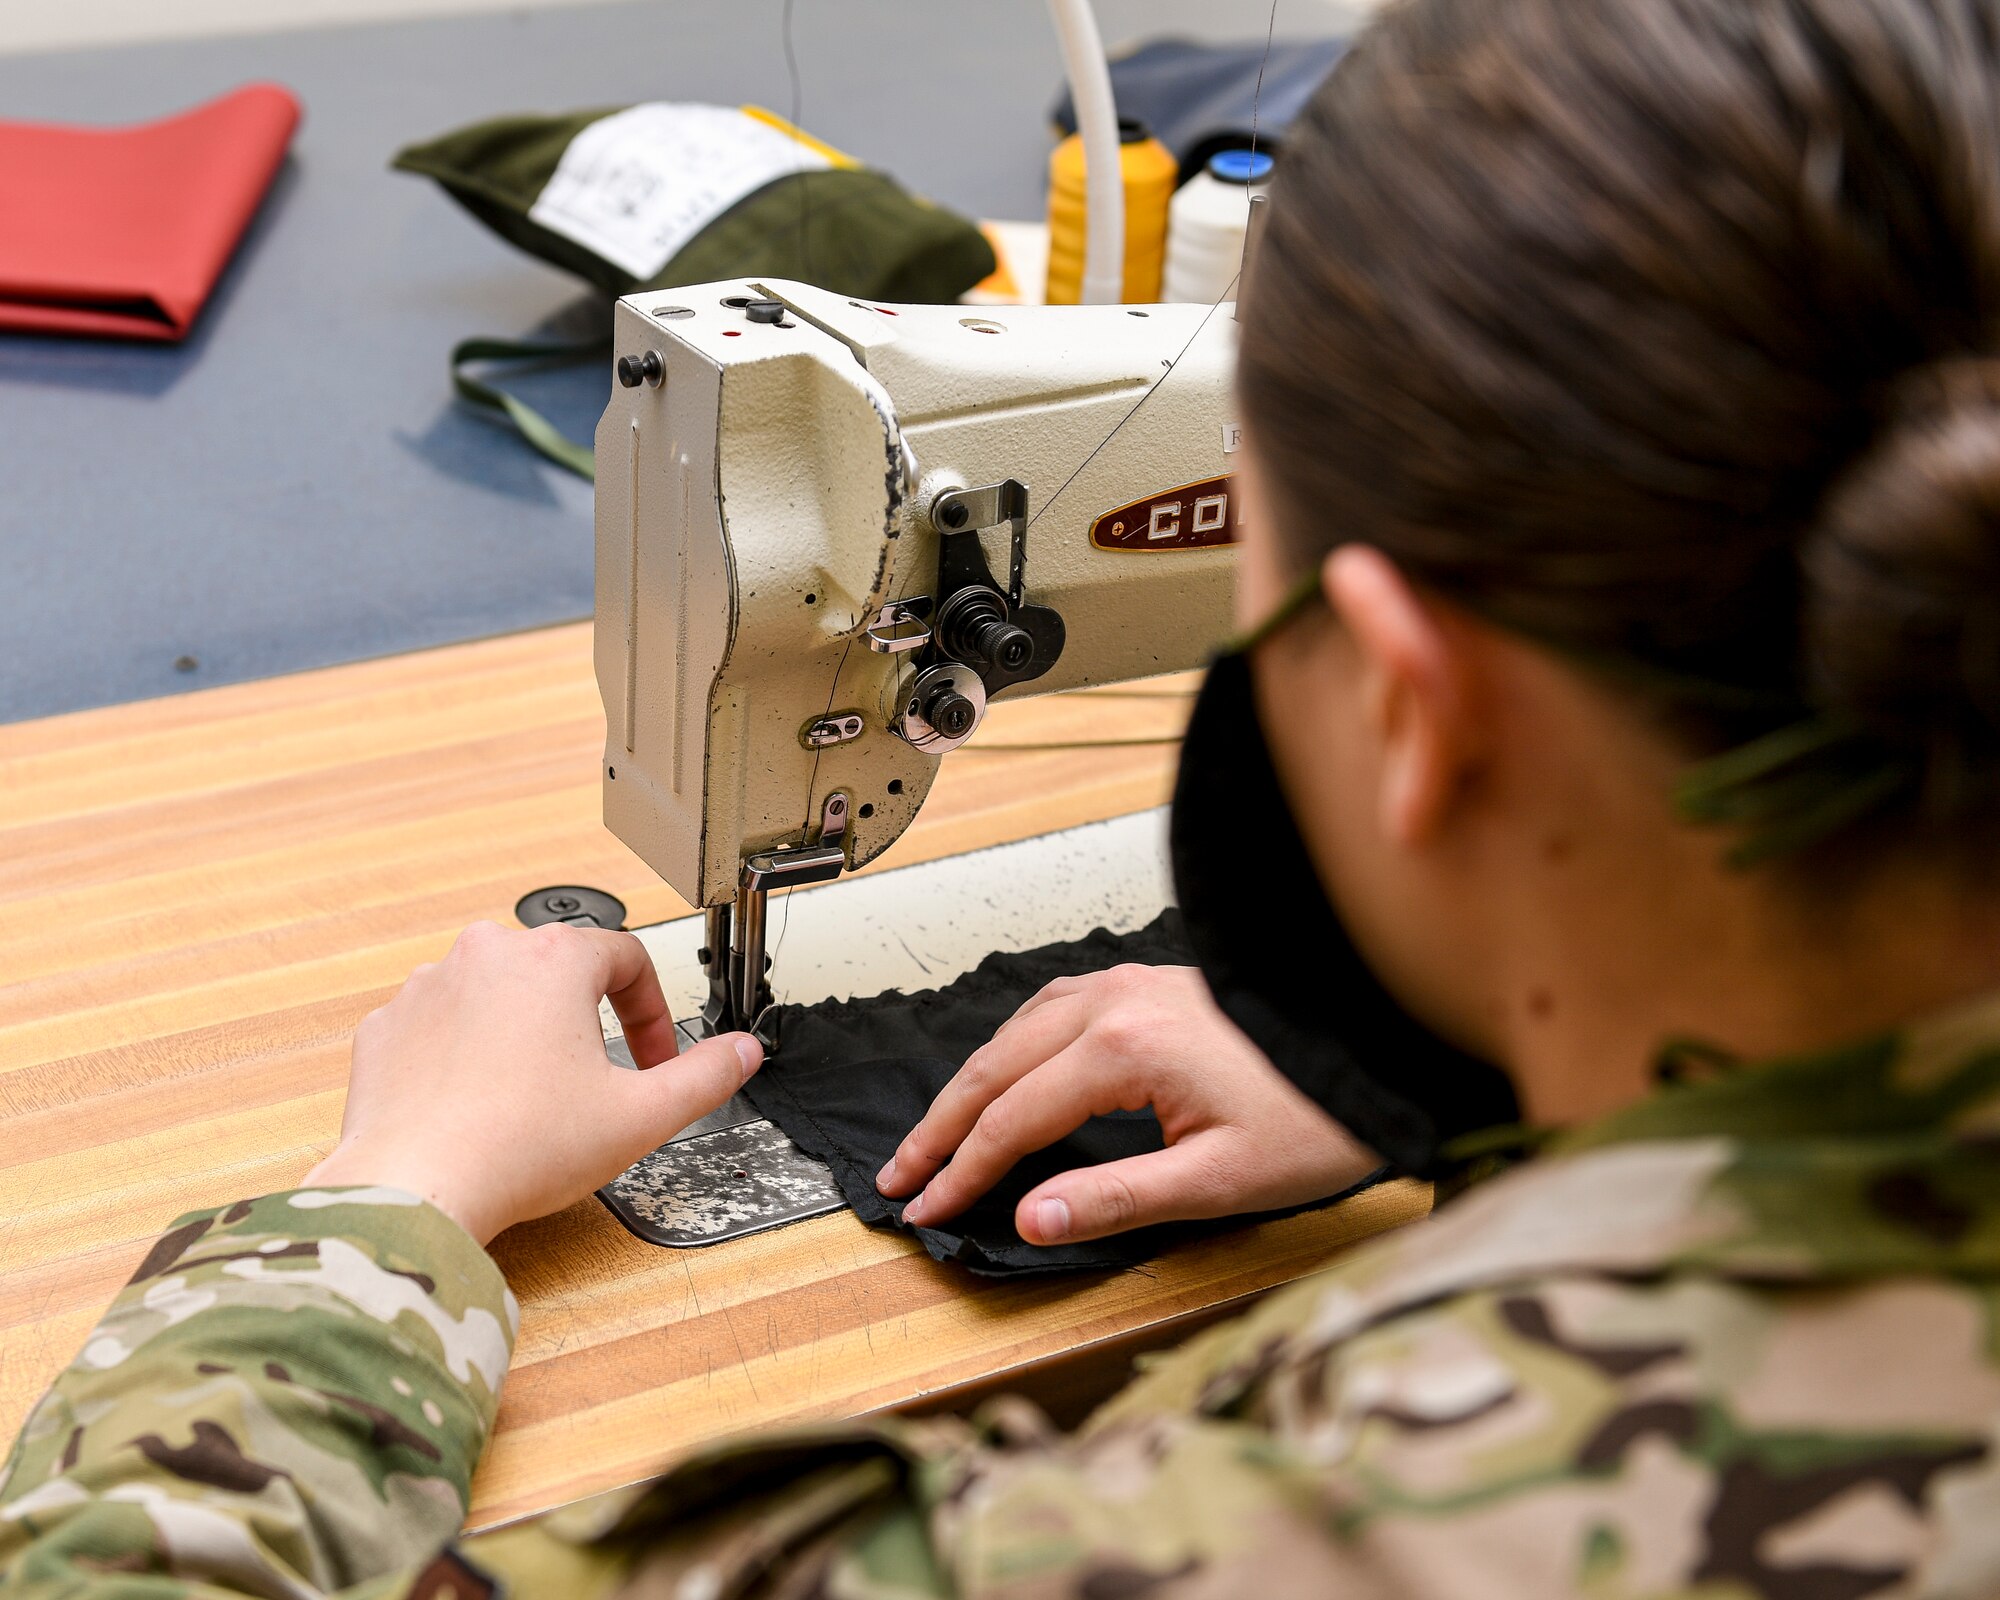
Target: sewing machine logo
{"x":1196,"y":516}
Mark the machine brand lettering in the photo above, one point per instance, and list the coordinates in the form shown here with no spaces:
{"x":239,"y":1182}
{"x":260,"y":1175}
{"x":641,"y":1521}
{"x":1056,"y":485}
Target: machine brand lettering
{"x":1196,"y":516}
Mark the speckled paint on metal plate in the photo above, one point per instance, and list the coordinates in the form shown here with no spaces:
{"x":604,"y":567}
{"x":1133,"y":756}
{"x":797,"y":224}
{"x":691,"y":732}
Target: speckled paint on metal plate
{"x":719,"y":1185}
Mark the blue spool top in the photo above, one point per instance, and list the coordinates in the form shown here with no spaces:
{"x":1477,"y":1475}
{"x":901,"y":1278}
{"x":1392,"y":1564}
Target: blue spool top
{"x":1240,"y":166}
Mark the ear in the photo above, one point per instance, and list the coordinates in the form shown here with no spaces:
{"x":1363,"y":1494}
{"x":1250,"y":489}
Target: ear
{"x":1413,"y":689}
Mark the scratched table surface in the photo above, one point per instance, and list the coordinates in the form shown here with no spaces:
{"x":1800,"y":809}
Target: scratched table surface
{"x":200,"y":896}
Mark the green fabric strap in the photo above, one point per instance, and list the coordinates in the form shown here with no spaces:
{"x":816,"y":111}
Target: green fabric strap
{"x":543,"y":434}
{"x":1794,"y":788}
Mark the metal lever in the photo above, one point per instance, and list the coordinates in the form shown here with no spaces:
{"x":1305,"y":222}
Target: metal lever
{"x":968,"y":510}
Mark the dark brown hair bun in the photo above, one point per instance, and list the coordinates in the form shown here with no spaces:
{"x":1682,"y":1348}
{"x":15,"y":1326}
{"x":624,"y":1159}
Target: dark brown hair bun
{"x":1900,"y":616}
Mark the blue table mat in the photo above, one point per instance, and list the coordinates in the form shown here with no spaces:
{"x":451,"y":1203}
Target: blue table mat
{"x":295,"y":486}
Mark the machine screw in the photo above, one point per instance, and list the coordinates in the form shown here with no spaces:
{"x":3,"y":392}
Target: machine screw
{"x":953,"y":515}
{"x":635,"y":370}
{"x":570,"y":903}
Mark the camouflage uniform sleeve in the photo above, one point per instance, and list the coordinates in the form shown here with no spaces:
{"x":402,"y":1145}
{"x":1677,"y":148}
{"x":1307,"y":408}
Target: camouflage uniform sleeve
{"x":1004,"y":1508}
{"x":288,"y":1399}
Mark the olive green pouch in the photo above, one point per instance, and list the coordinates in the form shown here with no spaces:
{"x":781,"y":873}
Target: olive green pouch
{"x":846,"y":228}
{"x":835,"y":223}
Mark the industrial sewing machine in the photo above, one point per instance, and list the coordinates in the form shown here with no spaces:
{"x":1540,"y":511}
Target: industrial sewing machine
{"x":830,"y":533}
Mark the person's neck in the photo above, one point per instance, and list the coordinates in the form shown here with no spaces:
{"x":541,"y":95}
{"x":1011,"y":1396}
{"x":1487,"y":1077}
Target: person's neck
{"x":1626,"y":959}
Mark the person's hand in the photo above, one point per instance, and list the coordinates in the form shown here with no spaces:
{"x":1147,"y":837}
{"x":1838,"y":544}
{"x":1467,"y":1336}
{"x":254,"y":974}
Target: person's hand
{"x":1239,"y":1136}
{"x":484,"y":1086}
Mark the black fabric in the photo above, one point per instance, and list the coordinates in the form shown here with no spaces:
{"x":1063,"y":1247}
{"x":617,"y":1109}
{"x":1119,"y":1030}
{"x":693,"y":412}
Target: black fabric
{"x":850,"y":1078}
{"x":1282,"y":967}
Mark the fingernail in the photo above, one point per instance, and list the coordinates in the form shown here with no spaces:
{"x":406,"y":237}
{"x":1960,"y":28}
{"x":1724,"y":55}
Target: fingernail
{"x":1052,"y":1219}
{"x":885,"y":1180}
{"x":750,"y":1053}
{"x":913,"y":1212}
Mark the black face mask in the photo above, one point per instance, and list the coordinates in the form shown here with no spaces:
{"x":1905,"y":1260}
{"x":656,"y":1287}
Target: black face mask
{"x":1282,"y":967}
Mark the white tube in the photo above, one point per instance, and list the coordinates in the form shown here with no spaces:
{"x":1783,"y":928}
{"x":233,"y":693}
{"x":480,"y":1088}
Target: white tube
{"x":1097,"y":120}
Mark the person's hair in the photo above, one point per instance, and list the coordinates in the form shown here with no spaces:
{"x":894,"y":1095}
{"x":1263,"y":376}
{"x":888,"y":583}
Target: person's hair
{"x":1667,"y":332}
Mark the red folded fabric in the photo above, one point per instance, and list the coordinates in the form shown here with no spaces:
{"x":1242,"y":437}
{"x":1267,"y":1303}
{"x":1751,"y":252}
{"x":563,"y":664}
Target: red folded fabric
{"x":123,"y":231}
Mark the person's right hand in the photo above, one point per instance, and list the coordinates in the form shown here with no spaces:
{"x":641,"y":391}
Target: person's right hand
{"x":1239,"y":1136}
{"x":484,"y":1086}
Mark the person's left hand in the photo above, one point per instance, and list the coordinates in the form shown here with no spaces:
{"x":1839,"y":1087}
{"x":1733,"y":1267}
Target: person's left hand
{"x":1239,"y":1136}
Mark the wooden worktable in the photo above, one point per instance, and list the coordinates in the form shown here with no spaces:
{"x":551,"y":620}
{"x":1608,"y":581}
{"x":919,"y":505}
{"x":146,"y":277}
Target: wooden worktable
{"x":200,"y":896}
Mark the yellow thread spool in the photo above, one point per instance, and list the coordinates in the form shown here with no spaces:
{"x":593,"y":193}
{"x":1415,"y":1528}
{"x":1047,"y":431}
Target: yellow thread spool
{"x":1149,"y":173}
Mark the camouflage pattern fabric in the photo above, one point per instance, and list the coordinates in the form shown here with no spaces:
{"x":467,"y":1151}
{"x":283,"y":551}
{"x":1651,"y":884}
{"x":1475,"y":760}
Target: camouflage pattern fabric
{"x":1742,"y":1340}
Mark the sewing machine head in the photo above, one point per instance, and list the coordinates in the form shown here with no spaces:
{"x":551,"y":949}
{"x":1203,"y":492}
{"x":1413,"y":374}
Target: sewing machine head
{"x":831,"y":532}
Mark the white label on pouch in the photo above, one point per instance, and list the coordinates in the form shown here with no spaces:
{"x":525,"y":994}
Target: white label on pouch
{"x":636,"y":186}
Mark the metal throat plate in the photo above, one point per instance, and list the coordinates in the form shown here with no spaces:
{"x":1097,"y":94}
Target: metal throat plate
{"x":729,"y":1174}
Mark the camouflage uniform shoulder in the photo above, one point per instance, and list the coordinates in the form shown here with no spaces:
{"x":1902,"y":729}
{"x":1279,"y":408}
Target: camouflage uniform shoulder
{"x":1742,"y":1340}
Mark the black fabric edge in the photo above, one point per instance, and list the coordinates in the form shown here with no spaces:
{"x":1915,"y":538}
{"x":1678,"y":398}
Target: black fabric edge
{"x":774,"y":1100}
{"x":1015,"y":1261}
{"x":1373,"y":1024}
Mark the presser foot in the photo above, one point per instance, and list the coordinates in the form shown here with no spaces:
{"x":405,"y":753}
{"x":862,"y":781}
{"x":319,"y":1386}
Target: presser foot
{"x":731,"y":1173}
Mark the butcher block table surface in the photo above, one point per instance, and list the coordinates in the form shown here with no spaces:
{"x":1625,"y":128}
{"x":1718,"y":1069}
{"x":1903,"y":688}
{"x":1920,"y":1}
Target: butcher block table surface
{"x":199,"y":898}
